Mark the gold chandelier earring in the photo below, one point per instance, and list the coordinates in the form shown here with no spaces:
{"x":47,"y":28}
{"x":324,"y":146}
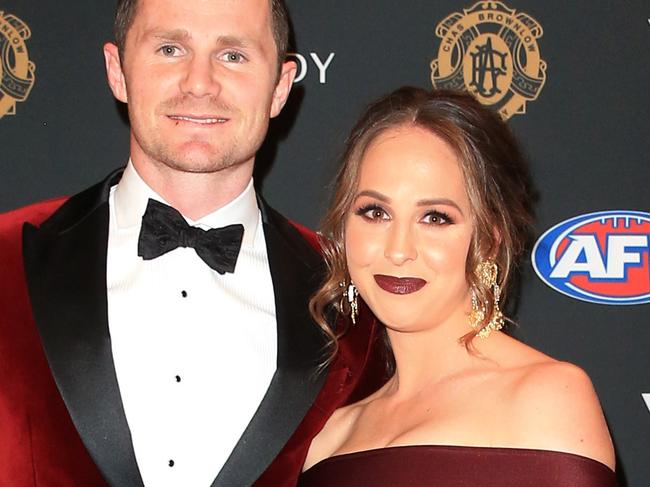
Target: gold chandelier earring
{"x":487,"y":273}
{"x":350,"y":294}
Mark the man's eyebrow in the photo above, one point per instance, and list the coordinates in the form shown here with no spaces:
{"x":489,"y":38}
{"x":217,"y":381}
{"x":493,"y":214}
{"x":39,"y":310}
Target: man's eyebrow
{"x":183,"y":35}
{"x":169,"y":35}
{"x":233,"y":41}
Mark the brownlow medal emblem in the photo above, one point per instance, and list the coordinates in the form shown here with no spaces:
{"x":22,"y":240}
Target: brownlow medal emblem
{"x":491,"y":51}
{"x":17,"y":72}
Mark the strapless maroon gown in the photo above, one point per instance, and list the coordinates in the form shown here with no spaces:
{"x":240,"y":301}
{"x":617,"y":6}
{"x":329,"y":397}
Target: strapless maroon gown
{"x":457,"y":466}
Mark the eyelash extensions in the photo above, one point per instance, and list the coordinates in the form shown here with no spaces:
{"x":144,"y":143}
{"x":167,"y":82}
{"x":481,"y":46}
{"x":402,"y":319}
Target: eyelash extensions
{"x":443,"y":218}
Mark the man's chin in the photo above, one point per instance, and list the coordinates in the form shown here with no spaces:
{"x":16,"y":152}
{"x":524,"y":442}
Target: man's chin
{"x":199,"y":162}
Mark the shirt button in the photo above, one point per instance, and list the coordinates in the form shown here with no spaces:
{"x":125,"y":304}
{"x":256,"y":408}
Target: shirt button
{"x":171,"y":463}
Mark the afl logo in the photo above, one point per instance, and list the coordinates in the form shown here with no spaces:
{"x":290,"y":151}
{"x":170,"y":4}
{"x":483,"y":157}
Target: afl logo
{"x":16,"y":70}
{"x":491,"y":51}
{"x":598,"y":257}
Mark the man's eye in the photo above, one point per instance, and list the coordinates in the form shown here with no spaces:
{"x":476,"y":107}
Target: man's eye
{"x":169,"y":51}
{"x":233,"y":57}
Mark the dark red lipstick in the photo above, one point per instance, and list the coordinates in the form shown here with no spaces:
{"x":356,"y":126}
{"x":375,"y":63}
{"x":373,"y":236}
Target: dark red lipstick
{"x":399,"y":285}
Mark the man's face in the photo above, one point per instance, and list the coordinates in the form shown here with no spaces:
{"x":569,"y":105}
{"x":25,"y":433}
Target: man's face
{"x":201,"y":81}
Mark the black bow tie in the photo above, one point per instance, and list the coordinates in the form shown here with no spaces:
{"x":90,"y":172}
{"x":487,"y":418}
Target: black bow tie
{"x":164,"y":229}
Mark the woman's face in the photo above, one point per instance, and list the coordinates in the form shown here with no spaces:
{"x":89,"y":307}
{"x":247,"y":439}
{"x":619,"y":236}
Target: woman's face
{"x":409,"y":229}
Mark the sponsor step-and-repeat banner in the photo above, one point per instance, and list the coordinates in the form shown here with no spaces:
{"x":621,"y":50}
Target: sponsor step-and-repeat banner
{"x":569,"y":77}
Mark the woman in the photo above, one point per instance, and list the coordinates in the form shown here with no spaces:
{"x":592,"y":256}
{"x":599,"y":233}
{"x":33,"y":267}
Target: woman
{"x":428,"y":222}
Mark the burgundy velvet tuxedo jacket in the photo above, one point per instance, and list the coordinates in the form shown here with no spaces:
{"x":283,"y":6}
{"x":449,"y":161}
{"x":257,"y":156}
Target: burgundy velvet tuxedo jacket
{"x":61,"y":417}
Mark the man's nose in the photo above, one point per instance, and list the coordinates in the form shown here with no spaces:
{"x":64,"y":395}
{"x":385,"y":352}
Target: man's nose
{"x":200,"y":78}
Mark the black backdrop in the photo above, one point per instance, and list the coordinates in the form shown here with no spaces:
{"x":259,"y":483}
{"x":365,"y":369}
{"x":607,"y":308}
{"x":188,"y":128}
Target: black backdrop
{"x":585,"y":136}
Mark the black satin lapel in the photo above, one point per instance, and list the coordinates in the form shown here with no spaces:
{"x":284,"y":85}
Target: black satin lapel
{"x":296,"y":269}
{"x":65,"y":264}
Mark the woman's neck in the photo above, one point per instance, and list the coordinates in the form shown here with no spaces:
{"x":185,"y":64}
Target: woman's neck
{"x":426,"y":357}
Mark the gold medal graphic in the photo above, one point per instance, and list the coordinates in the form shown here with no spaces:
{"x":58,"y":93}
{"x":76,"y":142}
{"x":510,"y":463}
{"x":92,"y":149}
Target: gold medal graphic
{"x":17,"y":72}
{"x":491,"y":51}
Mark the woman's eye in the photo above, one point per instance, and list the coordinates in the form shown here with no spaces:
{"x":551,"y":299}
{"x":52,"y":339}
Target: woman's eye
{"x":436,"y":218}
{"x":373,"y":213}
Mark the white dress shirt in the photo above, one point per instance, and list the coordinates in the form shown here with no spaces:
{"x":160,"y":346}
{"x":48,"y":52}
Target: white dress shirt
{"x":194,"y":350}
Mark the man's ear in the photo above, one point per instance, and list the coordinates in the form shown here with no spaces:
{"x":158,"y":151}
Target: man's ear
{"x":282,"y":89}
{"x":114,"y":72}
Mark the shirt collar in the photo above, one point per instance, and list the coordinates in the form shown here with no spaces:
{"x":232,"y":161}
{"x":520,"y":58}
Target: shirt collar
{"x":132,"y":195}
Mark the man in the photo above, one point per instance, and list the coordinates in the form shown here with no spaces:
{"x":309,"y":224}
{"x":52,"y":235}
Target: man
{"x":136,"y":356}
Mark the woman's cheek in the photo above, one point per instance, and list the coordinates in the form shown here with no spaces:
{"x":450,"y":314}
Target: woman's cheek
{"x":445,"y":254}
{"x":362,"y":244}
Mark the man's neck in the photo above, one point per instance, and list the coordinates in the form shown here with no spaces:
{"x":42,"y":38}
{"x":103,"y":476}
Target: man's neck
{"x":195,"y":195}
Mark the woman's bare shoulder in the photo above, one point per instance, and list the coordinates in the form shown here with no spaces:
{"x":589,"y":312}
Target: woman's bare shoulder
{"x":555,"y":407}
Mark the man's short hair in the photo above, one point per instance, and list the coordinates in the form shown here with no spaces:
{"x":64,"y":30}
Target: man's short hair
{"x":125,"y":14}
